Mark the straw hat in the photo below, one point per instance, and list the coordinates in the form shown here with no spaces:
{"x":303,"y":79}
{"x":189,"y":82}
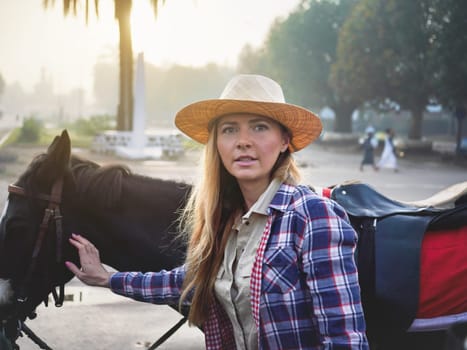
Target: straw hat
{"x":250,"y":94}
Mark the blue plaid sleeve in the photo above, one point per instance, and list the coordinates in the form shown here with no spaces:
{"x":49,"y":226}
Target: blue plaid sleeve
{"x":328,"y":260}
{"x":163,"y":287}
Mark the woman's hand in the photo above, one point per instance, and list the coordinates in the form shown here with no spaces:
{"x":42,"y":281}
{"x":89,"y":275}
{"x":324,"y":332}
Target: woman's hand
{"x":92,"y":272}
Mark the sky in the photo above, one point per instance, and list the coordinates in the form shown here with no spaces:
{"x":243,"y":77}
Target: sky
{"x":34,"y":41}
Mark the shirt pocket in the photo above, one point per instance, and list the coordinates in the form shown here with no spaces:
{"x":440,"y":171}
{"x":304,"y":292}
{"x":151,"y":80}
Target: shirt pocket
{"x":280,"y":271}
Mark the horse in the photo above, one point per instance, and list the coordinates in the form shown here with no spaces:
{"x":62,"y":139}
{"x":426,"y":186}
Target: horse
{"x":132,"y":220}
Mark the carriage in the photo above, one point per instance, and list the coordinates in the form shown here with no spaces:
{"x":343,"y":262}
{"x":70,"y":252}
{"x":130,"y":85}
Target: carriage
{"x":410,"y":294}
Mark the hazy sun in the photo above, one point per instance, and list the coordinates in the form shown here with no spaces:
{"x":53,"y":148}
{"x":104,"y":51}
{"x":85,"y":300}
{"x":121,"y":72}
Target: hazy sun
{"x":162,"y":36}
{"x":188,"y":32}
{"x":143,"y":24}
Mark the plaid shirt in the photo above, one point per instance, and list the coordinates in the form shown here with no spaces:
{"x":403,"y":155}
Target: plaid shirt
{"x":304,"y":283}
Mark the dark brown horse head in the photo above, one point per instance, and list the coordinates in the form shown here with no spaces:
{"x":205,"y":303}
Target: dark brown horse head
{"x":132,"y":219}
{"x":29,"y":218}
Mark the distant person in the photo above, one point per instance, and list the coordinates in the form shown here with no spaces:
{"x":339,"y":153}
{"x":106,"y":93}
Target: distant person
{"x":270,"y":264}
{"x":388,"y":158}
{"x":369,"y":146}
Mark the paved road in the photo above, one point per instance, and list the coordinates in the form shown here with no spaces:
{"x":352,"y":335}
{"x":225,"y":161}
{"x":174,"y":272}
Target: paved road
{"x":96,"y":319}
{"x":7,"y":123}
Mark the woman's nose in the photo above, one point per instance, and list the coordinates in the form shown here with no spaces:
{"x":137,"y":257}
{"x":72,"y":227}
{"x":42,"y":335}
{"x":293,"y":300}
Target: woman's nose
{"x":242,"y":145}
{"x":244,"y":139}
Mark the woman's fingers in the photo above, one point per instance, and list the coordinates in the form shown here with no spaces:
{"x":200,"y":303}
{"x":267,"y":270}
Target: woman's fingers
{"x":85,"y":248}
{"x":72,"y":267}
{"x":92,"y":272}
{"x":79,"y":240}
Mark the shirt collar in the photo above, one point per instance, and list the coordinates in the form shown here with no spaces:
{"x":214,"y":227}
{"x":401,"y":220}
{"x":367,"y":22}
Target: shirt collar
{"x":263,"y":202}
{"x":282,"y":197}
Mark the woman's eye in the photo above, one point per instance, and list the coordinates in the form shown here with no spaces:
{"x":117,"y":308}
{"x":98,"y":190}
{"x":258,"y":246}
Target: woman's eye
{"x":228,"y":130}
{"x":260,"y":127}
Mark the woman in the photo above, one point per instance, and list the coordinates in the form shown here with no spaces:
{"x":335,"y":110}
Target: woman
{"x":369,"y":146}
{"x":270,"y":265}
{"x":388,"y":157}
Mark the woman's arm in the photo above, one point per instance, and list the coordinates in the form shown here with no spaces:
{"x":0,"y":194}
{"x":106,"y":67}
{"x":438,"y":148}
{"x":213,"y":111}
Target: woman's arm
{"x":328,"y":258}
{"x":162,"y":287}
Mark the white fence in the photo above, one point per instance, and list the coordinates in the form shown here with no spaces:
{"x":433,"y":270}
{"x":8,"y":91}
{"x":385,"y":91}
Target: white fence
{"x":444,"y":147}
{"x":107,"y":142}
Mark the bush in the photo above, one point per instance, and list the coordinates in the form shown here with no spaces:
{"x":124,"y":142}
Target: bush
{"x":30,"y":131}
{"x":93,"y":125}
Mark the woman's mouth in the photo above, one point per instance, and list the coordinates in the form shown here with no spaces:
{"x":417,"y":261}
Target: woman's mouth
{"x":245,"y":160}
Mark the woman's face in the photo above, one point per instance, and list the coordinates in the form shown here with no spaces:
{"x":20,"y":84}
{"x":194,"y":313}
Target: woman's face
{"x":249,"y":146}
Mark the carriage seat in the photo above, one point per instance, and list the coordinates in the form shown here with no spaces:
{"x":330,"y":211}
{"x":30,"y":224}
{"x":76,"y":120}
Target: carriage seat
{"x":395,"y":245}
{"x":447,"y":198}
{"x":361,"y":200}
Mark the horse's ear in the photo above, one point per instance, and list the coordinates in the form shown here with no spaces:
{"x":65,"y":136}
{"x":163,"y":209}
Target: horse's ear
{"x":59,"y":152}
{"x":54,"y":142}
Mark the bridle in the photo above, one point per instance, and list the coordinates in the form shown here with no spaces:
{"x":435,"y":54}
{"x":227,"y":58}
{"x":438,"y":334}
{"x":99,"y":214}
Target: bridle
{"x":51,"y":213}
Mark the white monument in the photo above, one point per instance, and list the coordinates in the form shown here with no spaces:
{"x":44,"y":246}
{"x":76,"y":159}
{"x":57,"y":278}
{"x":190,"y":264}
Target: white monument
{"x":139,"y":143}
{"x":136,"y":147}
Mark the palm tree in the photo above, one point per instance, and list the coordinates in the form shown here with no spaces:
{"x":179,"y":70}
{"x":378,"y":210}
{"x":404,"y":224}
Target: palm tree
{"x":122,"y":14}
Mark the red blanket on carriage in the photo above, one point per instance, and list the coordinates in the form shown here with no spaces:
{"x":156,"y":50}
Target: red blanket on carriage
{"x":443,"y":273}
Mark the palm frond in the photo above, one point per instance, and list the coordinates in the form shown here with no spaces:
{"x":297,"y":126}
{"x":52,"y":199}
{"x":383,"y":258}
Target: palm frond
{"x":72,"y":5}
{"x":155,"y":6}
{"x":47,"y":3}
{"x":75,"y":7}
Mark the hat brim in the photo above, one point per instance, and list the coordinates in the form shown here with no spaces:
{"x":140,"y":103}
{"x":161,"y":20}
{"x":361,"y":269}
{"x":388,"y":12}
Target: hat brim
{"x":304,"y":125}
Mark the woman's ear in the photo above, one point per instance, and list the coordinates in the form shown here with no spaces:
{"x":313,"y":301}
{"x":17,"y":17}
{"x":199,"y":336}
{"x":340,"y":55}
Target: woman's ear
{"x":285,"y":142}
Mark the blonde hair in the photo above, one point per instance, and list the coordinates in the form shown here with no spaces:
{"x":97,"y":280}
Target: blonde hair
{"x":208,"y":218}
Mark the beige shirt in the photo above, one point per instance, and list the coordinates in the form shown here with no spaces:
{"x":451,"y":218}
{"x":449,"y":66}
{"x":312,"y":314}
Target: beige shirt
{"x":232,"y":286}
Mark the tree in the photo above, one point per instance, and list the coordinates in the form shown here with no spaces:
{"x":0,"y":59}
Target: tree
{"x":449,"y":35}
{"x":299,"y":52}
{"x":122,"y":14}
{"x":384,"y":52}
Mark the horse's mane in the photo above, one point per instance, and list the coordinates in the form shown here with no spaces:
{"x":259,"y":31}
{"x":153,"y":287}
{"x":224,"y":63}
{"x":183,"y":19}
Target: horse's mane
{"x":101,"y":185}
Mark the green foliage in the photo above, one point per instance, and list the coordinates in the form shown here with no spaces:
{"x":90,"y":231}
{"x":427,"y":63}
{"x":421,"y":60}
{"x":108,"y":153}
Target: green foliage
{"x":82,"y":131}
{"x":298,"y":53}
{"x":448,"y":29}
{"x":93,"y":125}
{"x":12,"y":137}
{"x":31,"y":130}
{"x":384,"y":52}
